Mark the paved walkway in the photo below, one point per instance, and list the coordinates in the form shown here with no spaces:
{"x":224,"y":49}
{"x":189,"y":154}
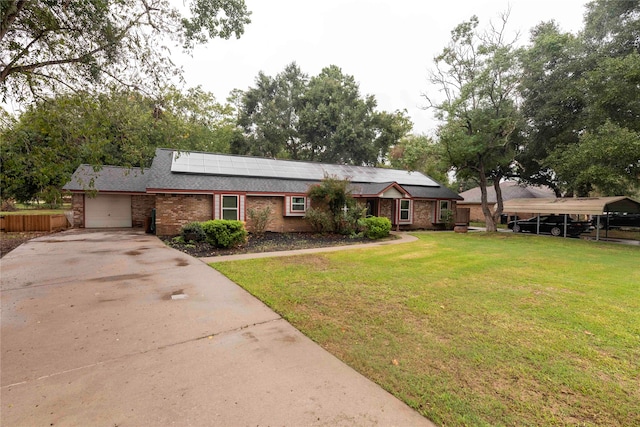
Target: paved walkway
{"x":401,"y":238}
{"x":114,"y":328}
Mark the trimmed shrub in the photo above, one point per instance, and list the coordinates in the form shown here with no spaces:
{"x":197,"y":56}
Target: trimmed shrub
{"x":223,"y":233}
{"x":193,"y":232}
{"x":375,"y":227}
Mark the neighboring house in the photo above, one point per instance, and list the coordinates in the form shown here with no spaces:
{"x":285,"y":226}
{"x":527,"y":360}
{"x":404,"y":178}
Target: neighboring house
{"x":510,"y":190}
{"x":192,"y":186}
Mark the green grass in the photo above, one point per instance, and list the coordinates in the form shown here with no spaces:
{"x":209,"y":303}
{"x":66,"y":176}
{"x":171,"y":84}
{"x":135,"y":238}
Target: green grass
{"x":626,"y":233}
{"x":34,"y":209}
{"x":474,"y":329}
{"x":35,"y":212}
{"x":482,"y":224}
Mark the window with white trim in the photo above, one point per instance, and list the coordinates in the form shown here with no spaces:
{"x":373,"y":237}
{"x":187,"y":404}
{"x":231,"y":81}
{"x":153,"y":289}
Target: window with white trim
{"x":405,"y":210}
{"x":230,"y":207}
{"x":445,"y":206}
{"x":295,"y":206}
{"x":298,"y":204}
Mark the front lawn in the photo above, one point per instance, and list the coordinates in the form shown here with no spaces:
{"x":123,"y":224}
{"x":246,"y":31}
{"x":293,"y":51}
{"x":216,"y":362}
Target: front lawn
{"x":474,"y":329}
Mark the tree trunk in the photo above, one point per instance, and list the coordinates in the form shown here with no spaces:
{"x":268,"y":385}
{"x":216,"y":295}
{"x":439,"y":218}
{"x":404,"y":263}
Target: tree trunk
{"x":500,"y":205}
{"x":488,"y":215}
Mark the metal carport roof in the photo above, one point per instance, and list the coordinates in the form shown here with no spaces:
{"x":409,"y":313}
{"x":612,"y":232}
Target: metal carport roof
{"x":577,"y":205}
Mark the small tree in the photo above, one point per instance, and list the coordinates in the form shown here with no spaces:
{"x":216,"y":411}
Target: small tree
{"x":334,"y":197}
{"x":259,"y":219}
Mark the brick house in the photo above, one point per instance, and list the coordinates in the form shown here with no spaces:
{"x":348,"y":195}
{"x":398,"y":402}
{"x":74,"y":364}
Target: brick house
{"x":181,"y":187}
{"x":510,"y":190}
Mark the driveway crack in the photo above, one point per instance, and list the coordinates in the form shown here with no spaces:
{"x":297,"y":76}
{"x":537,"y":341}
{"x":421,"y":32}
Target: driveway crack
{"x":128,"y":355}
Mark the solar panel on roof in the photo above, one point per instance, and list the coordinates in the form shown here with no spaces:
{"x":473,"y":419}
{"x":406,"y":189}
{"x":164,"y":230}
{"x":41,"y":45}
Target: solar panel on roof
{"x":219,"y":164}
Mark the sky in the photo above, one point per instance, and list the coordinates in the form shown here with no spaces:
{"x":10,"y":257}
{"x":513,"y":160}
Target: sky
{"x":387,"y":45}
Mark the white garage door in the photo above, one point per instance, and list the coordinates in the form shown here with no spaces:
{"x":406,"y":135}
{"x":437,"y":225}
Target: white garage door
{"x":107,"y":211}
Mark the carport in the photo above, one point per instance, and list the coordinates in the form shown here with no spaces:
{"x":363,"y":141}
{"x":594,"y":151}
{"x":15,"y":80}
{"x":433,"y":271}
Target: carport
{"x":577,"y":206}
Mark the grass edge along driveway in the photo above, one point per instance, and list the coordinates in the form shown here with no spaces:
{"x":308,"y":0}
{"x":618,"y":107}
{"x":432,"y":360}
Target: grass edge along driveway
{"x":474,"y":329}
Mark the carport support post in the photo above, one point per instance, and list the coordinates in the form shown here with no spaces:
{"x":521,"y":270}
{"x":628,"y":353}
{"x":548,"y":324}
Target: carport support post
{"x":597,"y":228}
{"x":565,"y":225}
{"x":538,"y":224}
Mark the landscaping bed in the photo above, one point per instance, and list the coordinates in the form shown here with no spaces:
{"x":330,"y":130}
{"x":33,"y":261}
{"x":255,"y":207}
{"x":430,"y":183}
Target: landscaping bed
{"x":268,"y":242}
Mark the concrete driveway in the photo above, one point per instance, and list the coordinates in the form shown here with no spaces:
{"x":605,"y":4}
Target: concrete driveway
{"x":113,"y":328}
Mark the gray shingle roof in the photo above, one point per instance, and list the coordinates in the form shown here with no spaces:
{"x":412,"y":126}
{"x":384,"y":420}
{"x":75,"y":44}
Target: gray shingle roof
{"x":108,"y":178}
{"x":160,"y":178}
{"x":441,"y":192}
{"x":510,"y":190}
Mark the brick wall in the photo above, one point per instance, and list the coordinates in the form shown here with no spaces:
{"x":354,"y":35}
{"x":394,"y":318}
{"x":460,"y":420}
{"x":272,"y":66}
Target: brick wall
{"x":77,"y":206}
{"x":278,"y":222}
{"x":141,"y":206}
{"x":422,"y":214}
{"x":476,"y":215}
{"x":175,"y":210}
{"x":386,"y":208}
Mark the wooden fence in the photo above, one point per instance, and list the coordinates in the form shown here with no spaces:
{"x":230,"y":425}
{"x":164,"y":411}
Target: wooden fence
{"x":14,"y":223}
{"x":462,"y":216}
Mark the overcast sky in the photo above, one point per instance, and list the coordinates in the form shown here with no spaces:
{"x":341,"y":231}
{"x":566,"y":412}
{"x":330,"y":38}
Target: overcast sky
{"x":387,"y":45}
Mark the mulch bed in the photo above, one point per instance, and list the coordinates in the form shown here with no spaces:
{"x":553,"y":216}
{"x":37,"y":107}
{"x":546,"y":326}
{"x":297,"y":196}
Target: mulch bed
{"x":269,"y":242}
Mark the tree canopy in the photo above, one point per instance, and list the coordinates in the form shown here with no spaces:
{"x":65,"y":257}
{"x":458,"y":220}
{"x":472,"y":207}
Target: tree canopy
{"x":322,"y":118}
{"x":41,"y":149}
{"x":581,"y":98}
{"x":54,"y":46}
{"x":478,"y":74}
{"x":420,"y":153}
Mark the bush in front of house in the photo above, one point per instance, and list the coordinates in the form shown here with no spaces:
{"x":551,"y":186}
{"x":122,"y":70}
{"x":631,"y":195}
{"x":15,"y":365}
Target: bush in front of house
{"x":335,"y":208}
{"x":375,"y":227}
{"x":223,"y":233}
{"x":321,"y":221}
{"x":193,"y":231}
{"x":259,"y":219}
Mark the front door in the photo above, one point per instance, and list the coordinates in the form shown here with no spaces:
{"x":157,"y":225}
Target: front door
{"x":372,"y":207}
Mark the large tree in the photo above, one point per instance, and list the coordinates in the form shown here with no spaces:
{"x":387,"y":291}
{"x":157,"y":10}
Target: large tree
{"x":269,"y":115}
{"x":41,"y":149}
{"x":60,"y":45}
{"x":581,"y":100}
{"x":478,"y":75}
{"x":322,"y":118}
{"x":420,"y":153}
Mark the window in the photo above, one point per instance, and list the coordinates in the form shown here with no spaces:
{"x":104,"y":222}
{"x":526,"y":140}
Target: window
{"x":230,"y":207}
{"x":405,"y":210}
{"x":444,"y":210}
{"x":298,"y":204}
{"x":295,"y":206}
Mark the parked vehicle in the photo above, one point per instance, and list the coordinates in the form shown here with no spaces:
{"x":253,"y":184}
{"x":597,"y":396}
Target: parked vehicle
{"x":617,"y":220}
{"x":553,"y":224}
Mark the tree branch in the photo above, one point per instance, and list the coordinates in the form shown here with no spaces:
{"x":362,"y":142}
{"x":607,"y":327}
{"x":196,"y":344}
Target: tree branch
{"x":31,"y":67}
{"x":8,"y":19}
